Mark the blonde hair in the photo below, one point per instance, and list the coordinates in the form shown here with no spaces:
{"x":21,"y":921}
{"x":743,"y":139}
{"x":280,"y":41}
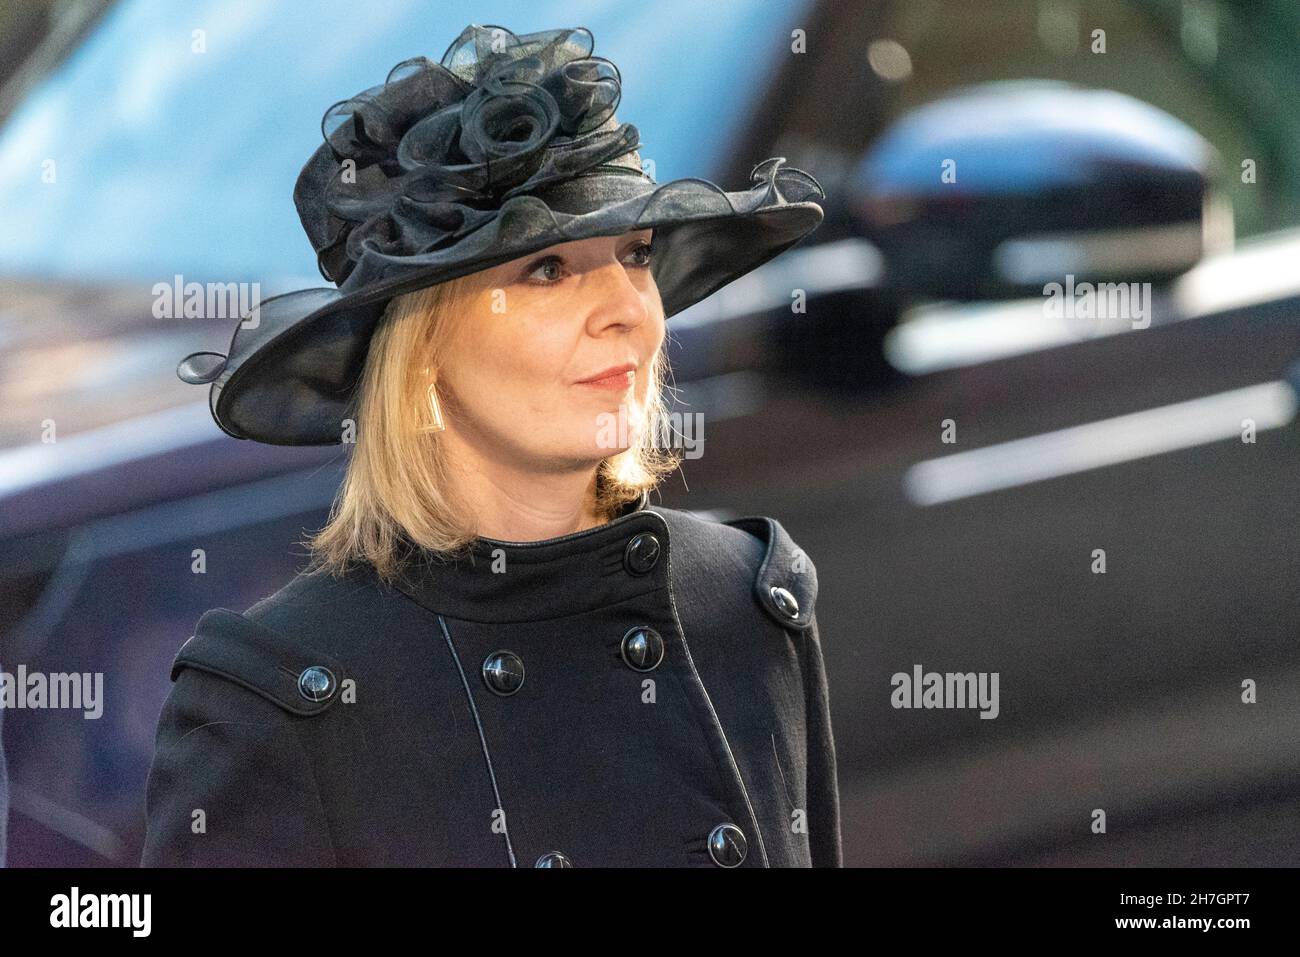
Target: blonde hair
{"x":394,"y":494}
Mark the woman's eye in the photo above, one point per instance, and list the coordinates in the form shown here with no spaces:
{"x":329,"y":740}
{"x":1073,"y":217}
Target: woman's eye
{"x":643,"y":252}
{"x":549,"y":269}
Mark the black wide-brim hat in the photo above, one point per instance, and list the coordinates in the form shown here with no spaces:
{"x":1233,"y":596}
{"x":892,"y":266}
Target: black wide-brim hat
{"x":506,"y":147}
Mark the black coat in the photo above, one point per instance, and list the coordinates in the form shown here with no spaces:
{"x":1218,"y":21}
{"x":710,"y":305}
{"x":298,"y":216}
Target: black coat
{"x":672,"y":711}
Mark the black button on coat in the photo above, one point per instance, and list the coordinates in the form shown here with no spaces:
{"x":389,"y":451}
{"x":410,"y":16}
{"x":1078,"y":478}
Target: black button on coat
{"x":636,"y":694}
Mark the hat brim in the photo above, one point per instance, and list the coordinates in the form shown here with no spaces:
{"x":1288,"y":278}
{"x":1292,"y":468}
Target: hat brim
{"x":290,"y":378}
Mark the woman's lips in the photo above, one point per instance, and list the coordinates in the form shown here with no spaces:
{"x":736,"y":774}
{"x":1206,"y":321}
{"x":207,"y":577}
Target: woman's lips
{"x":613,"y":378}
{"x":617,"y":382}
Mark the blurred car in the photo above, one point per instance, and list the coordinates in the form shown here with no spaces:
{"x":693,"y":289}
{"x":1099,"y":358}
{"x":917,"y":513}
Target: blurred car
{"x":1120,"y":691}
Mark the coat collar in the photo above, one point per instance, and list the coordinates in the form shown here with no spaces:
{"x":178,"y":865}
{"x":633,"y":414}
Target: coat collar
{"x":502,"y":582}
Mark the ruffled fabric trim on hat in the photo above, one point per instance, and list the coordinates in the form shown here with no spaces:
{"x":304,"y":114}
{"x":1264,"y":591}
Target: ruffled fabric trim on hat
{"x":427,"y":157}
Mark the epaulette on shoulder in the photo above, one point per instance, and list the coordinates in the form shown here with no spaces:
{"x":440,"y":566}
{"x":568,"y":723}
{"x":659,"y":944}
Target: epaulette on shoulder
{"x":301,"y":680}
{"x":786,"y":581}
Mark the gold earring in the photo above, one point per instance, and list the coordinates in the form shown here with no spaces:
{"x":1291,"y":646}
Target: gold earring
{"x":436,"y":425}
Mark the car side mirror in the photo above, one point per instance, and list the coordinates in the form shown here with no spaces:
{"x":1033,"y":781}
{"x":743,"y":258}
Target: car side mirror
{"x":998,"y":189}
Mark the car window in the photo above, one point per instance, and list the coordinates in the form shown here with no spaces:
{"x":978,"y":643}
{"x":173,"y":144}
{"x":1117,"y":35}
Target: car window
{"x":167,"y":160}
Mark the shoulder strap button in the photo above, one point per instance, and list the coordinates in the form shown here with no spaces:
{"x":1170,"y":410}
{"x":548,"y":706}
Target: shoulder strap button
{"x":300,"y":679}
{"x":785,"y":584}
{"x":316,"y":683}
{"x":785,"y":601}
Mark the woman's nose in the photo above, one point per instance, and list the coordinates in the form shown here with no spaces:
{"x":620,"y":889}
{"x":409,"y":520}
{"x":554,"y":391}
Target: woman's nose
{"x":618,"y":299}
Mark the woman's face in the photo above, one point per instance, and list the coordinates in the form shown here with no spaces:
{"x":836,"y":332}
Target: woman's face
{"x":533,"y":333}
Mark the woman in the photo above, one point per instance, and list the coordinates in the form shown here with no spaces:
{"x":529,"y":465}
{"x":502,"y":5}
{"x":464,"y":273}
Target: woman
{"x":501,"y":655}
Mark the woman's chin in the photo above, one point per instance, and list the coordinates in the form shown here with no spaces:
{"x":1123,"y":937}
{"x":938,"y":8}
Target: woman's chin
{"x":612,"y":430}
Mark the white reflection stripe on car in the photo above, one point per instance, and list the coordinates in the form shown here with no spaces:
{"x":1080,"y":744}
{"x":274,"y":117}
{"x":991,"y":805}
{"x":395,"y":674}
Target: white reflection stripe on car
{"x":1079,"y":448}
{"x":78,"y":453}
